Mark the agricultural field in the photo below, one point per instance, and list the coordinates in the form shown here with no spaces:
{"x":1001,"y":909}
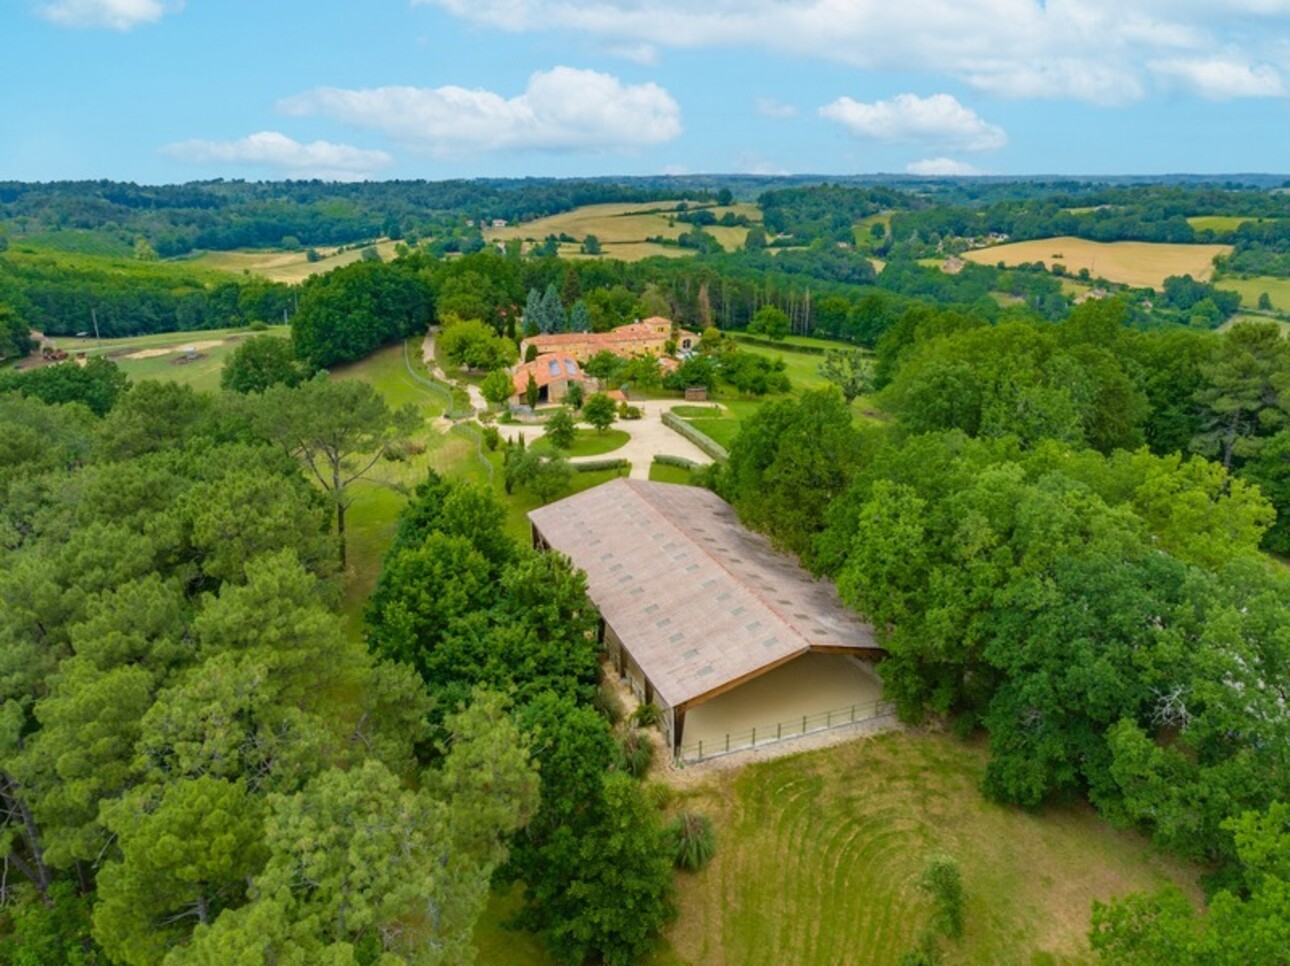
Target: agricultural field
{"x":1250,"y":289}
{"x":818,"y":855}
{"x":1138,"y":264}
{"x":284,"y":266}
{"x":623,"y":228}
{"x":1218,"y":222}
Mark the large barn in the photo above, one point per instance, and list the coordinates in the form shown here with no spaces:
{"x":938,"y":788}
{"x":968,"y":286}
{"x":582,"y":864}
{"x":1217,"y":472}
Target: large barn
{"x":729,"y":638}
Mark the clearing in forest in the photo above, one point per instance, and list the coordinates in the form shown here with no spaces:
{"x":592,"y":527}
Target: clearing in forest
{"x":623,"y":228}
{"x":1138,"y":264}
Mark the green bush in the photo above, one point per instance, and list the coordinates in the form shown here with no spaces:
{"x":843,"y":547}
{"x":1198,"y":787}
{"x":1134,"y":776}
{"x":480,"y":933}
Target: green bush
{"x":647,"y":715}
{"x":943,"y":881}
{"x":693,"y":840}
{"x":595,"y":466}
{"x":607,"y":703}
{"x":492,"y":438}
{"x":635,"y":752}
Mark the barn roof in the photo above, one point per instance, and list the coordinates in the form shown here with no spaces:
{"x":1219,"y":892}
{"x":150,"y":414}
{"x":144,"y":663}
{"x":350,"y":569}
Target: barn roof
{"x":700,"y":602}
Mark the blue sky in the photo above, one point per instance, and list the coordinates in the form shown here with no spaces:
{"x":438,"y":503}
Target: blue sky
{"x":163,"y":90}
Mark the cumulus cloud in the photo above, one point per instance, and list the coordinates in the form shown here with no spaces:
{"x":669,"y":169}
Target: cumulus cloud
{"x":1090,"y":50}
{"x":907,"y":118}
{"x":112,"y":14}
{"x":563,"y":109}
{"x":272,"y":149}
{"x":1222,"y":80}
{"x":769,"y":107}
{"x":941,"y":167}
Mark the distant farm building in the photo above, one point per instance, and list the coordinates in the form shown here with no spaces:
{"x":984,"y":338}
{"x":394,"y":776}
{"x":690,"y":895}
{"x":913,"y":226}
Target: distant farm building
{"x":649,"y":337}
{"x":734,"y":642}
{"x":554,"y":373}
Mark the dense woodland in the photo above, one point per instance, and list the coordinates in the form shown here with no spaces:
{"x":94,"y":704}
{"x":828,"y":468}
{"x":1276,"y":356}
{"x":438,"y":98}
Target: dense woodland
{"x":1061,"y":527}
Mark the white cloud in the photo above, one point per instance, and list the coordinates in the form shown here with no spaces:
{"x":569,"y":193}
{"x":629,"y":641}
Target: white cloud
{"x":645,"y":54}
{"x":939,"y":119}
{"x":113,"y":14}
{"x":1221,"y":80}
{"x":769,"y":107}
{"x":271,"y":149}
{"x":563,"y":109}
{"x":940,"y":167}
{"x":1090,"y":50}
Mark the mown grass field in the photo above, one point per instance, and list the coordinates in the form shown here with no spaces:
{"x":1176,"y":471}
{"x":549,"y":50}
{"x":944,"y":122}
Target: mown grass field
{"x":818,"y":857}
{"x":820,"y":852}
{"x":1139,"y":264}
{"x":623,"y":228}
{"x":1250,"y":289}
{"x":283,"y":266}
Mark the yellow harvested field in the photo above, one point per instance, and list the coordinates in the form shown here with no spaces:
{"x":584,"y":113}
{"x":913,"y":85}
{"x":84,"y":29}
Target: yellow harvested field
{"x":1139,"y":264}
{"x":284,"y":266}
{"x":621,"y":225}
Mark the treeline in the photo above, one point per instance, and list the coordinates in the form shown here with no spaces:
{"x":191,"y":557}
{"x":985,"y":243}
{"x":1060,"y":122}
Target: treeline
{"x":1058,"y":541}
{"x":186,"y":727}
{"x":223,"y":215}
{"x":466,"y":606}
{"x":59,"y":297}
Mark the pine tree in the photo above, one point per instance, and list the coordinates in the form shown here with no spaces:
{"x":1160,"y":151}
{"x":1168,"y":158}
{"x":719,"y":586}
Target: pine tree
{"x":580,"y":317}
{"x":552,"y":318}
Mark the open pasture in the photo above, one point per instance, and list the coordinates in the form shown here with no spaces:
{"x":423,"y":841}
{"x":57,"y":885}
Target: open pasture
{"x":284,"y":266}
{"x":620,"y":225}
{"x":1219,"y":222}
{"x":1138,"y":264}
{"x":1250,"y":289}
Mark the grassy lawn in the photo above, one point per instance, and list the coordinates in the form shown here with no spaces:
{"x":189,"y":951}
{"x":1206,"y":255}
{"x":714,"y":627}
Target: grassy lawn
{"x":1250,"y":289}
{"x":819,"y":853}
{"x":723,"y":430}
{"x":666,"y":473}
{"x":588,"y":442}
{"x":1140,"y":264}
{"x":803,"y":369}
{"x":818,"y":856}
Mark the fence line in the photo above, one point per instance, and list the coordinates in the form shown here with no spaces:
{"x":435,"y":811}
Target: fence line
{"x":807,"y":724}
{"x":475,"y":436}
{"x":450,"y":410}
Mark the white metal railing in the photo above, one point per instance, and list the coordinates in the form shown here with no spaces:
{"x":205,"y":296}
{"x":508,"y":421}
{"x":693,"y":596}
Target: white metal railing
{"x":795,"y":728}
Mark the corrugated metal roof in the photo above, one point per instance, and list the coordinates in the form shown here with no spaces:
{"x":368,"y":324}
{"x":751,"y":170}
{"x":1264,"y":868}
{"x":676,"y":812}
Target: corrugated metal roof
{"x":698,"y":600}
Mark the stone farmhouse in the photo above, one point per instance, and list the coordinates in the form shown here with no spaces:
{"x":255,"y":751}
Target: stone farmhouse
{"x":648,"y":337}
{"x":554,"y":373}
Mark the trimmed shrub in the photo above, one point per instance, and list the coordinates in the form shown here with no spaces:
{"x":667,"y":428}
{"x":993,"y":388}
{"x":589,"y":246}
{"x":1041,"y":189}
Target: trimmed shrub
{"x":693,"y":840}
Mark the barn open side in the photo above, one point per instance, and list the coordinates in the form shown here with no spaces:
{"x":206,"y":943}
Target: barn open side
{"x":706,"y":620}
